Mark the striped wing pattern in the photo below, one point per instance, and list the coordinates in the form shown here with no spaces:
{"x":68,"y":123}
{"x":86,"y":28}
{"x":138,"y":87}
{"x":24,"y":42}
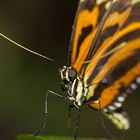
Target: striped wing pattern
{"x":111,"y":67}
{"x":121,"y":68}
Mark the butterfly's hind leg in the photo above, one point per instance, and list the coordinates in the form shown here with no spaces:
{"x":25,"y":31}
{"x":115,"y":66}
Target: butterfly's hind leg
{"x":46,"y":109}
{"x":70,"y":107}
{"x":77,"y":124}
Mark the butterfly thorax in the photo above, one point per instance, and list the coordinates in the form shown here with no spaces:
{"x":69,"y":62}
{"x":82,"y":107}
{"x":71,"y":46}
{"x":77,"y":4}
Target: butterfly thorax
{"x":73,"y":84}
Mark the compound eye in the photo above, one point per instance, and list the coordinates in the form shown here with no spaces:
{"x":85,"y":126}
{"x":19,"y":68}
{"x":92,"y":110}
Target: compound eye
{"x":72,"y":74}
{"x":64,"y":85}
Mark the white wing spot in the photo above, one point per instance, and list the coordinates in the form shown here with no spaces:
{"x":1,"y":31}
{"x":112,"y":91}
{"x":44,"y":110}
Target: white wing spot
{"x":111,"y":107}
{"x":117,"y":104}
{"x":133,"y":86}
{"x":138,"y":80}
{"x":121,"y":98}
{"x":105,"y":110}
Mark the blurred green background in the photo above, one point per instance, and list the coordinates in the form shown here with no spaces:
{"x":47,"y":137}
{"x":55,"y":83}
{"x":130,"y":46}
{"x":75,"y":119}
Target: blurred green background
{"x":44,"y":26}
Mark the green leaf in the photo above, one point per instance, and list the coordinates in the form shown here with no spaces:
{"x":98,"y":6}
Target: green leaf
{"x":31,"y":137}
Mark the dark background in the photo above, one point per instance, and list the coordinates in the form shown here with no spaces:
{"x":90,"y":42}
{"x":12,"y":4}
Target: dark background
{"x":44,"y":26}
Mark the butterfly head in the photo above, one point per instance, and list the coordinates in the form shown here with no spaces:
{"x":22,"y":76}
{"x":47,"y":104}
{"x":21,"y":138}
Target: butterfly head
{"x":70,"y":83}
{"x":68,"y":75}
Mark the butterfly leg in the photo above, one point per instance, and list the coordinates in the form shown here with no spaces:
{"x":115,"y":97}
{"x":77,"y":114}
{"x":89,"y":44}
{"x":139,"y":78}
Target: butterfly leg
{"x":46,"y":109}
{"x":69,"y":117}
{"x":77,"y":124}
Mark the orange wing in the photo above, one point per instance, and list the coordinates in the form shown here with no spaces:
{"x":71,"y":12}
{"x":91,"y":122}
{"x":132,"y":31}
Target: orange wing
{"x":84,"y":29}
{"x":117,"y":59}
{"x":109,"y":62}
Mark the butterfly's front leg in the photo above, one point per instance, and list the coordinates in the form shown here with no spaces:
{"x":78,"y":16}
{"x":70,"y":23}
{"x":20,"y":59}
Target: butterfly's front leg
{"x":46,"y":109}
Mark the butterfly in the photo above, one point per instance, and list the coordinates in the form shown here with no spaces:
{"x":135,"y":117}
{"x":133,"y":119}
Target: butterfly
{"x":104,"y":57}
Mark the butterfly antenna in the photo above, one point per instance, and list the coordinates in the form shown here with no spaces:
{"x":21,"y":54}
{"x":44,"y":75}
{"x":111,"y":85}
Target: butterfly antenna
{"x":24,"y":48}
